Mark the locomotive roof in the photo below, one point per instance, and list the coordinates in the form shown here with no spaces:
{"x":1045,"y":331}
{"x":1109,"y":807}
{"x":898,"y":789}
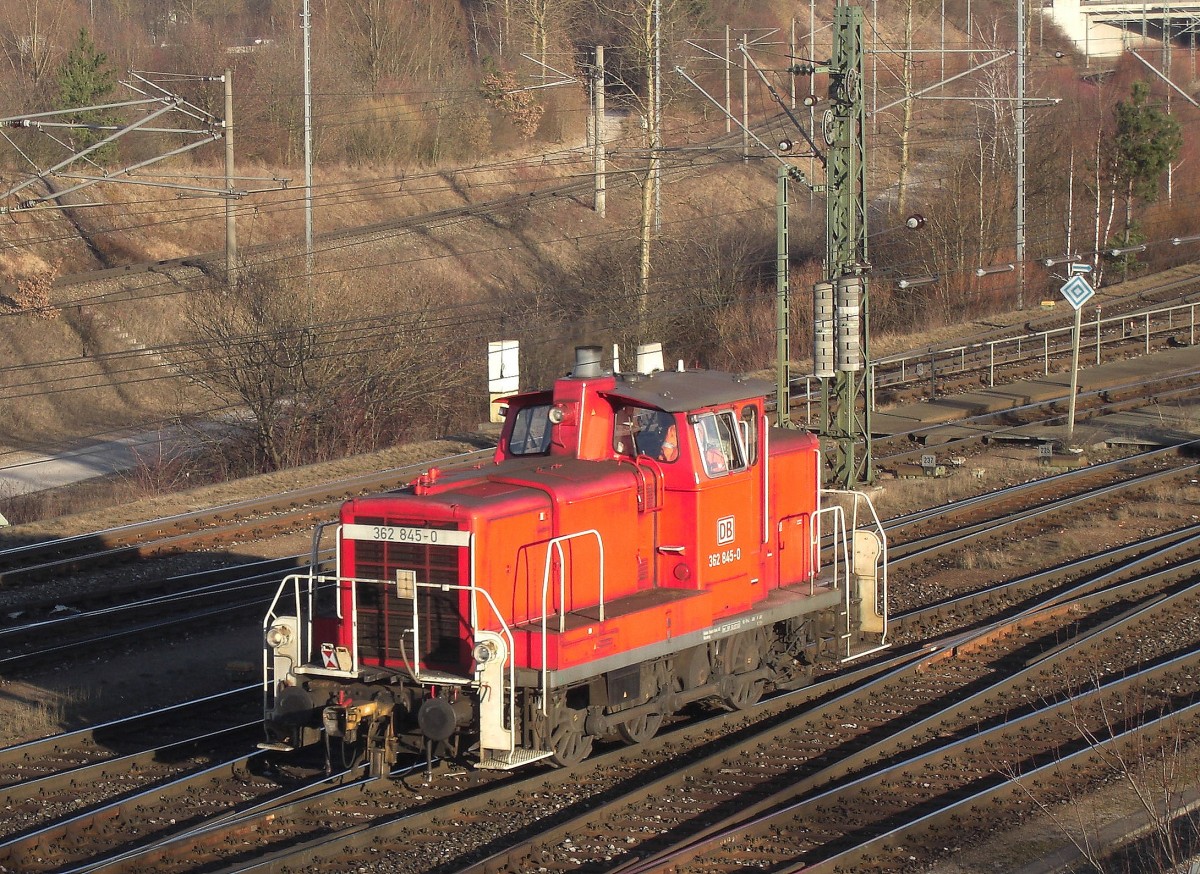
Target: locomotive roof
{"x":678,"y":392}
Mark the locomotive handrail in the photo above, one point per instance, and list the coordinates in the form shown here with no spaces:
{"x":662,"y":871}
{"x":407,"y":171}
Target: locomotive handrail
{"x":269,"y":618}
{"x":641,"y":465}
{"x":304,"y":650}
{"x":839,"y":532}
{"x":877,"y":524}
{"x":881,"y":562}
{"x":297,"y":580}
{"x":555,"y":543}
{"x":840,"y":529}
{"x":475,"y":590}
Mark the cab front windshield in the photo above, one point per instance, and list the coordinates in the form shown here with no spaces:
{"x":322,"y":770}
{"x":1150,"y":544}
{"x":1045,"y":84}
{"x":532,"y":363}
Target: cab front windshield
{"x":531,"y":431}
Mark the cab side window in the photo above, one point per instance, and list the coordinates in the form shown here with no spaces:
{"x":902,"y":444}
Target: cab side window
{"x":641,"y":431}
{"x":531,"y":431}
{"x":749,"y":430}
{"x":721,"y":442}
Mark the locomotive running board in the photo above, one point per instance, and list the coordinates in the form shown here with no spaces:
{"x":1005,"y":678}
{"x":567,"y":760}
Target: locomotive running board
{"x":510,"y":761}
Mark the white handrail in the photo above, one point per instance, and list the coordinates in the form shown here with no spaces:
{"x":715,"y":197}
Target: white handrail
{"x":555,"y":543}
{"x":875,"y":524}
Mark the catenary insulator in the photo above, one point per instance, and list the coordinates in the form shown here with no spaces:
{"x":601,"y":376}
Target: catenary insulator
{"x":823,"y":325}
{"x":849,"y":344}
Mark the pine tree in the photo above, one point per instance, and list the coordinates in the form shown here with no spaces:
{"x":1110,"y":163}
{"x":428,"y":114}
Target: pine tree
{"x":1147,"y":141}
{"x":85,"y":79}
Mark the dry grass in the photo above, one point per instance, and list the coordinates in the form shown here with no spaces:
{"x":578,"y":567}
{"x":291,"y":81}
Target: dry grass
{"x":986,"y":559}
{"x":29,"y":712}
{"x":521,"y":246}
{"x":986,"y":473}
{"x":38,"y":719}
{"x":108,"y":503}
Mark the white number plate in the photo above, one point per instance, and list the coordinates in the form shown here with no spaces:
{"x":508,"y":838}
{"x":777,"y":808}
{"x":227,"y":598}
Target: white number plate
{"x":401,"y":534}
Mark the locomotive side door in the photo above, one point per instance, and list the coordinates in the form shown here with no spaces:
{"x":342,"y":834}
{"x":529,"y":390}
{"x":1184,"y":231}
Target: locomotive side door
{"x":728,"y":509}
{"x":650,"y":438}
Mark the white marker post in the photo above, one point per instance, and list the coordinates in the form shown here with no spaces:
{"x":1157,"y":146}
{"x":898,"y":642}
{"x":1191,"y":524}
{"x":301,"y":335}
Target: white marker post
{"x":504,"y":373}
{"x":1077,"y":291}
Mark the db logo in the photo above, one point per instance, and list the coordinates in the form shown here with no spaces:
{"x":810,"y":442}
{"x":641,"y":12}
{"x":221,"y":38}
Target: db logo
{"x":725,"y":530}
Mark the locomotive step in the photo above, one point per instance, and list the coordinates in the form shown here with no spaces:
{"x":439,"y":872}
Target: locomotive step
{"x":500,"y":760}
{"x":277,"y":747}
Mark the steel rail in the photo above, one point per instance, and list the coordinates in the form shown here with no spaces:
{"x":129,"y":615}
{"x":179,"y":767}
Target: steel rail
{"x":876,"y":761}
{"x":291,"y":857}
{"x":985,"y":431}
{"x":765,"y":809}
{"x":25,"y":611}
{"x":141,"y":763}
{"x":1017,"y":489}
{"x":206,"y":527}
{"x":1132,"y":556}
{"x":130,"y":726}
{"x":933,"y":543}
{"x":946,"y":819}
{"x":875,"y":775}
{"x":278,"y":860}
{"x":370,"y":837}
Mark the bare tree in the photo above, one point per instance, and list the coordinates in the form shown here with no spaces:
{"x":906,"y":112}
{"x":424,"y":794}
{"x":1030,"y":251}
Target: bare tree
{"x":33,"y":35}
{"x":305,"y":391}
{"x":405,"y":40}
{"x":638,"y":31}
{"x":1126,"y":748}
{"x":254,"y":351}
{"x":372,"y":30}
{"x":906,"y":84}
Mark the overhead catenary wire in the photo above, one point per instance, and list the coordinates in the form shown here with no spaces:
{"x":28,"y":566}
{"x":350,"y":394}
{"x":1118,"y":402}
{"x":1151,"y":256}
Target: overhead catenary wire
{"x":333,"y":248}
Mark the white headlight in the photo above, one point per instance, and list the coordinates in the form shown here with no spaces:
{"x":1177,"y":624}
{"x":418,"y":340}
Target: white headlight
{"x":484,"y":652}
{"x":278,"y":635}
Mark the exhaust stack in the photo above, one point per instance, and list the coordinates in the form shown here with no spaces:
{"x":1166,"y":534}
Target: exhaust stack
{"x":587,"y":362}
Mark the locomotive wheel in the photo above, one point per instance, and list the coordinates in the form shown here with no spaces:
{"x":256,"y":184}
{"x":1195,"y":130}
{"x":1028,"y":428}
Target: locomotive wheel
{"x":571,"y":745}
{"x":745,"y":694}
{"x":744,"y":655}
{"x":640,"y":730}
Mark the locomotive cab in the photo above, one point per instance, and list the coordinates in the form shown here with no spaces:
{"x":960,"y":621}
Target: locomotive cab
{"x":638,"y":542}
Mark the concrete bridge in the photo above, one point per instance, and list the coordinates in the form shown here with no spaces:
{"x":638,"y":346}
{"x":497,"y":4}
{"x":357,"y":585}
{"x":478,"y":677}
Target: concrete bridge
{"x":1104,"y":28}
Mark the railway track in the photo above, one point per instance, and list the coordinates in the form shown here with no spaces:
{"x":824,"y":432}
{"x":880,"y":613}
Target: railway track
{"x":1002,"y":424}
{"x":190,"y":600}
{"x":257,"y":518}
{"x":253,"y":519}
{"x":200,"y":598}
{"x":683,"y":792}
{"x":239,"y":834}
{"x":972,"y":357}
{"x":235,"y":788}
{"x":51,"y":779}
{"x":764,"y":804}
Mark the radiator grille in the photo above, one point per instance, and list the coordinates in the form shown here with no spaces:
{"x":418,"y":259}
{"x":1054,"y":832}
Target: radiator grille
{"x":385,"y":620}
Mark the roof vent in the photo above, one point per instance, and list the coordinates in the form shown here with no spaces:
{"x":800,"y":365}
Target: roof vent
{"x":587,"y":362}
{"x":649,"y":358}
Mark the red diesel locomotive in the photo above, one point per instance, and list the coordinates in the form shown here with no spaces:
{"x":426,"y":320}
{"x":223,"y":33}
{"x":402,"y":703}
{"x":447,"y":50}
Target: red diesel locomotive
{"x":639,"y":542}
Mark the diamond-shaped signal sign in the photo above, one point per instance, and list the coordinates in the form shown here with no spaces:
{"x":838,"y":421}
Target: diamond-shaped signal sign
{"x":1077,"y":291}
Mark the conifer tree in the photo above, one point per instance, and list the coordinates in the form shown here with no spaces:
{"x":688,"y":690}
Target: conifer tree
{"x":86,"y":79}
{"x":1146,"y":141}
